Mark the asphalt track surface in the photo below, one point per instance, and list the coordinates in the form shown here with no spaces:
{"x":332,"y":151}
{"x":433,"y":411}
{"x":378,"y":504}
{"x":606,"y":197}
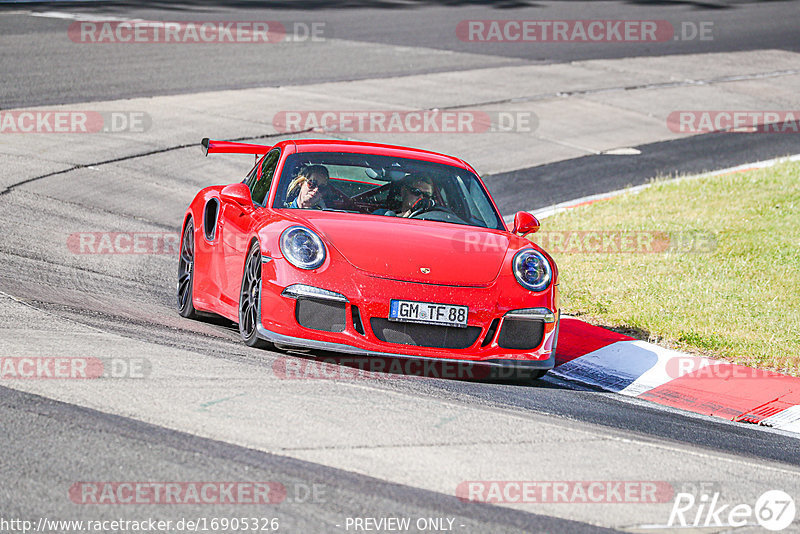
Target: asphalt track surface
{"x":97,"y":443}
{"x":41,"y":68}
{"x":602,"y":173}
{"x":47,"y":445}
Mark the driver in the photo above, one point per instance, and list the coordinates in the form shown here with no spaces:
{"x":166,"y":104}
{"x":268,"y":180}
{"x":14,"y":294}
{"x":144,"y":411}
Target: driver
{"x":416,"y":193}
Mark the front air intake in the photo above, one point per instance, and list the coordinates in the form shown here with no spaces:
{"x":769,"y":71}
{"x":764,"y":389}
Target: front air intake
{"x":424,"y":335}
{"x":520,"y":334}
{"x":317,"y":314}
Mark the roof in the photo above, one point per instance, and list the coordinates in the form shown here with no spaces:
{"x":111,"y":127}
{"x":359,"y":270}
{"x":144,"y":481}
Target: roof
{"x":335,"y":145}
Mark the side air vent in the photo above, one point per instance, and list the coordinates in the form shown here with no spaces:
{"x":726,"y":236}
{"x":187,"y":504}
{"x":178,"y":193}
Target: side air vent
{"x":210,"y":219}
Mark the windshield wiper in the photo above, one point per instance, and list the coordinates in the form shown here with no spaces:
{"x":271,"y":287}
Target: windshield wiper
{"x":341,"y":211}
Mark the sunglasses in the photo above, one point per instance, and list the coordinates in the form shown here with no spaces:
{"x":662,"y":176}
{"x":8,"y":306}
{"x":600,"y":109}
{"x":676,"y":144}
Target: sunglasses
{"x":314,"y":184}
{"x":417,"y":192}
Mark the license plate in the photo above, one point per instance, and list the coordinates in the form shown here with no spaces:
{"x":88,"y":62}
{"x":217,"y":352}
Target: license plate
{"x":428,"y":313}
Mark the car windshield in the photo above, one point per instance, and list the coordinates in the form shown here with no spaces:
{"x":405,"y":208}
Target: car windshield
{"x":384,"y":186}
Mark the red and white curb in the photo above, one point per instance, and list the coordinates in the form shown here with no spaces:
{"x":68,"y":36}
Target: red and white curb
{"x":614,"y":362}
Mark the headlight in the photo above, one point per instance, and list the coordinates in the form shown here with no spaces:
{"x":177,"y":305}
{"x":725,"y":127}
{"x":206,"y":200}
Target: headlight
{"x":532,"y":270}
{"x":302,"y":247}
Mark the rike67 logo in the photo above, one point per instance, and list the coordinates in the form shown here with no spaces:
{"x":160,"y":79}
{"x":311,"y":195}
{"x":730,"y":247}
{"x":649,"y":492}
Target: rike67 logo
{"x":774,"y":510}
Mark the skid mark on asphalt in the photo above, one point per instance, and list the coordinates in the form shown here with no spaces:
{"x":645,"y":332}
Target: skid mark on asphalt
{"x":11,"y":187}
{"x":204,"y":407}
{"x":633,"y":87}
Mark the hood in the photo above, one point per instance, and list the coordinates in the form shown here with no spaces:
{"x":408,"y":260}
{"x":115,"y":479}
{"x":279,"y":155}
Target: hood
{"x":397,"y":248}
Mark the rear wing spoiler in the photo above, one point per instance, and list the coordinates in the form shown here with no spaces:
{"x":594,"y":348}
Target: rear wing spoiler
{"x":228,"y":147}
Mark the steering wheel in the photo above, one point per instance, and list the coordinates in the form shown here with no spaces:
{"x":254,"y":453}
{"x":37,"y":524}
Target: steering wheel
{"x":427,"y":208}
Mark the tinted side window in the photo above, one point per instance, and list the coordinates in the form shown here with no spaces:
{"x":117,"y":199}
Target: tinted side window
{"x":250,"y":181}
{"x":261,"y":188}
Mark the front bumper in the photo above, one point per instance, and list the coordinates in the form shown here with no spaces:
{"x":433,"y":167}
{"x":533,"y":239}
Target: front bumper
{"x":368,"y":297}
{"x":313,"y":344}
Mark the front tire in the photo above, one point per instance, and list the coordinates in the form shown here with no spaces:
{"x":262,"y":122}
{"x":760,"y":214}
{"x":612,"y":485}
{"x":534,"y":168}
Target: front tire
{"x":186,"y":273}
{"x":250,"y":299}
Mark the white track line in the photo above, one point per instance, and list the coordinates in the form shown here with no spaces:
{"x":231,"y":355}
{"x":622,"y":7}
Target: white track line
{"x":631,"y":367}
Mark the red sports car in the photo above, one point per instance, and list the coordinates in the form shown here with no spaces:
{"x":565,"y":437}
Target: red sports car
{"x":372,"y":250}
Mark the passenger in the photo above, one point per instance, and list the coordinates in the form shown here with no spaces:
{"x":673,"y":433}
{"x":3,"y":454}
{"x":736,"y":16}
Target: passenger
{"x":311,"y":184}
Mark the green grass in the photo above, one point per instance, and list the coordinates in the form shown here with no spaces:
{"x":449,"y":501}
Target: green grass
{"x":735,"y":295}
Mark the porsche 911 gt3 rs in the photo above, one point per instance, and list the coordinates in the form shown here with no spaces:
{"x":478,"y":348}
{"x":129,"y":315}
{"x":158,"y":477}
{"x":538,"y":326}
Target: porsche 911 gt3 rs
{"x":368,"y":249}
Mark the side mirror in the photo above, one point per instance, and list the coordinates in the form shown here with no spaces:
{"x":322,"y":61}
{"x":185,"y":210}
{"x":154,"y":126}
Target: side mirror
{"x":525,"y":223}
{"x":238,"y":193}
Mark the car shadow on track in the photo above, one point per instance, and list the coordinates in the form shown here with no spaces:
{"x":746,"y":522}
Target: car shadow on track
{"x":295,"y":363}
